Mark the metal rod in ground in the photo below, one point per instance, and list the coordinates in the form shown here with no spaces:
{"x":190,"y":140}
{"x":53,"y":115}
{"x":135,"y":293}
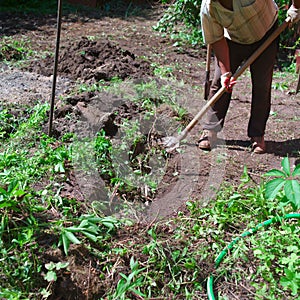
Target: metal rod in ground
{"x":59,"y":9}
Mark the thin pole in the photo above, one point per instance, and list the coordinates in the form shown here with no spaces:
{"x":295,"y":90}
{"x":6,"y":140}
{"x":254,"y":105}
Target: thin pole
{"x":55,"y":66}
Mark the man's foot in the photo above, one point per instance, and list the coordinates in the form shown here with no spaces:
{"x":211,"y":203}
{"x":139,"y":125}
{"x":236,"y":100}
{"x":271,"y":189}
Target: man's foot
{"x":258,"y":144}
{"x":207,"y":140}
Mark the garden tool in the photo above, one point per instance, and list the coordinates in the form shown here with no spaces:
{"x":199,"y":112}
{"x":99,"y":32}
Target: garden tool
{"x":207,"y":82}
{"x":171,"y":142}
{"x":59,"y":9}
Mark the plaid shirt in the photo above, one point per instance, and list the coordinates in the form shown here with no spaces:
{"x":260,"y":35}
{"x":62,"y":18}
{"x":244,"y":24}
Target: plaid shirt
{"x":246,"y":24}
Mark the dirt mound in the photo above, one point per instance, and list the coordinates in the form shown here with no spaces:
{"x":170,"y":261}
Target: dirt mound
{"x":98,"y":60}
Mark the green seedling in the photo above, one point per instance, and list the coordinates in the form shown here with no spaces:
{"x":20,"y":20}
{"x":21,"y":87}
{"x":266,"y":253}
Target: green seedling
{"x":52,"y":268}
{"x":14,"y":50}
{"x":281,"y":86}
{"x":7,"y":123}
{"x":291,"y":281}
{"x":162,"y":71}
{"x":95,"y":87}
{"x":51,"y":276}
{"x":285,"y":181}
{"x":130,"y":283}
{"x":92,"y":227}
{"x":9,"y":198}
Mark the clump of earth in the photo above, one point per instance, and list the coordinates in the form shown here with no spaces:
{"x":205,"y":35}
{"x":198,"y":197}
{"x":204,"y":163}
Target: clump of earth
{"x":98,"y":60}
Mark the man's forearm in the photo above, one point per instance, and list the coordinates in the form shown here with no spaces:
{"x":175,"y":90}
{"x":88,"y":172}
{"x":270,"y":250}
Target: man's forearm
{"x":221,"y":51}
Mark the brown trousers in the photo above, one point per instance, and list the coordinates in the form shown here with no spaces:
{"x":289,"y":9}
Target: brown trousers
{"x":261,"y":76}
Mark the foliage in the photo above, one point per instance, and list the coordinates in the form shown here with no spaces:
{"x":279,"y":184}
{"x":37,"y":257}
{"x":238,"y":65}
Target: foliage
{"x":176,"y":261}
{"x":8,"y":123}
{"x":172,"y":258}
{"x":91,"y":227}
{"x":26,"y":157}
{"x":186,"y":12}
{"x":181,"y":21}
{"x":286,"y":180}
{"x":130,"y":283}
{"x":13,"y":50}
{"x":265,"y":259}
{"x":291,"y":280}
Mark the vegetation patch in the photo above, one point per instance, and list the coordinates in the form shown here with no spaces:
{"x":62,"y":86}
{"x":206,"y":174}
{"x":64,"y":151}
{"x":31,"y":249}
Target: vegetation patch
{"x":71,"y":204}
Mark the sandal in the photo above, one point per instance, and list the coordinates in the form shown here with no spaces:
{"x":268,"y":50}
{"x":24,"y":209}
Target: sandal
{"x":258,"y":144}
{"x":207,"y":140}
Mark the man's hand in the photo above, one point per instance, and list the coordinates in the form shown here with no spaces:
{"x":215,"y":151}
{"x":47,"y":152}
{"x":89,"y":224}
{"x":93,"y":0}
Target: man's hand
{"x":294,"y":13}
{"x":228,"y":82}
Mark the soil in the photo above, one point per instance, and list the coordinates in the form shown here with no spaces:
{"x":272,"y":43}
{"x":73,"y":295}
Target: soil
{"x":103,"y":45}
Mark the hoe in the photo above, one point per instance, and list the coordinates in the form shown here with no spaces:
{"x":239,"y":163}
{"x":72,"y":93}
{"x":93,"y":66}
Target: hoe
{"x":171,"y":143}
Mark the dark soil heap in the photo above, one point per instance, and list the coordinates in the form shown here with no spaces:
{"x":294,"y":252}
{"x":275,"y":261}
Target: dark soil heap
{"x":98,"y":60}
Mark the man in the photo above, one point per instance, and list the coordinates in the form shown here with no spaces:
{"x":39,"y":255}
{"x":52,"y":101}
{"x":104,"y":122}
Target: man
{"x":235,"y":29}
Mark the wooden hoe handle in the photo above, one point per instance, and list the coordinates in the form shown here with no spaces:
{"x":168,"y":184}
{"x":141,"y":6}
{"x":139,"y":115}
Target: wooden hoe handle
{"x":237,"y":74}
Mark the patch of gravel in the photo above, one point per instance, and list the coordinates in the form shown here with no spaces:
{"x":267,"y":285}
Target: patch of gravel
{"x":21,"y":87}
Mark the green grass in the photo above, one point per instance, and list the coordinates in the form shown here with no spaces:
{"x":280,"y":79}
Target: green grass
{"x":165,"y":259}
{"x":28,"y":157}
{"x":15,"y":51}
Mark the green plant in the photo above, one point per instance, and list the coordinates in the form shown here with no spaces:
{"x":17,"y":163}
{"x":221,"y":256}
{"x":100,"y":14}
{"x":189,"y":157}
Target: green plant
{"x":291,"y":281}
{"x":162,"y":71}
{"x":278,"y":253}
{"x":103,"y":149}
{"x":51,"y":276}
{"x":275,"y":250}
{"x":26,"y":156}
{"x":187,"y":12}
{"x":130,"y":284}
{"x":285,"y":182}
{"x":84,"y":87}
{"x":282,"y":86}
{"x":9,"y":196}
{"x":8,"y":123}
{"x":52,"y":267}
{"x":181,"y":21}
{"x":92,"y":227}
{"x":12,"y":50}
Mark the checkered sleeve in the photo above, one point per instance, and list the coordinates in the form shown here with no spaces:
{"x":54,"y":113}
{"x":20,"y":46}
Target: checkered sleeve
{"x":212,"y":31}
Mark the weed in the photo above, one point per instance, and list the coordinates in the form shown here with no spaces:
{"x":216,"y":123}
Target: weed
{"x":291,"y":281}
{"x":278,"y":254}
{"x":286,"y":180}
{"x":51,"y":276}
{"x":84,"y":87}
{"x":162,"y":72}
{"x":170,"y":258}
{"x":14,"y":50}
{"x":130,"y":284}
{"x":91,"y":227}
{"x":8,"y":123}
{"x":282,"y":86}
{"x":275,"y":250}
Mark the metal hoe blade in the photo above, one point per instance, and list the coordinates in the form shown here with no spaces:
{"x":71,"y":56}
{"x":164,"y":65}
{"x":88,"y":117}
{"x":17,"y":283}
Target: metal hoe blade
{"x":170,"y":143}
